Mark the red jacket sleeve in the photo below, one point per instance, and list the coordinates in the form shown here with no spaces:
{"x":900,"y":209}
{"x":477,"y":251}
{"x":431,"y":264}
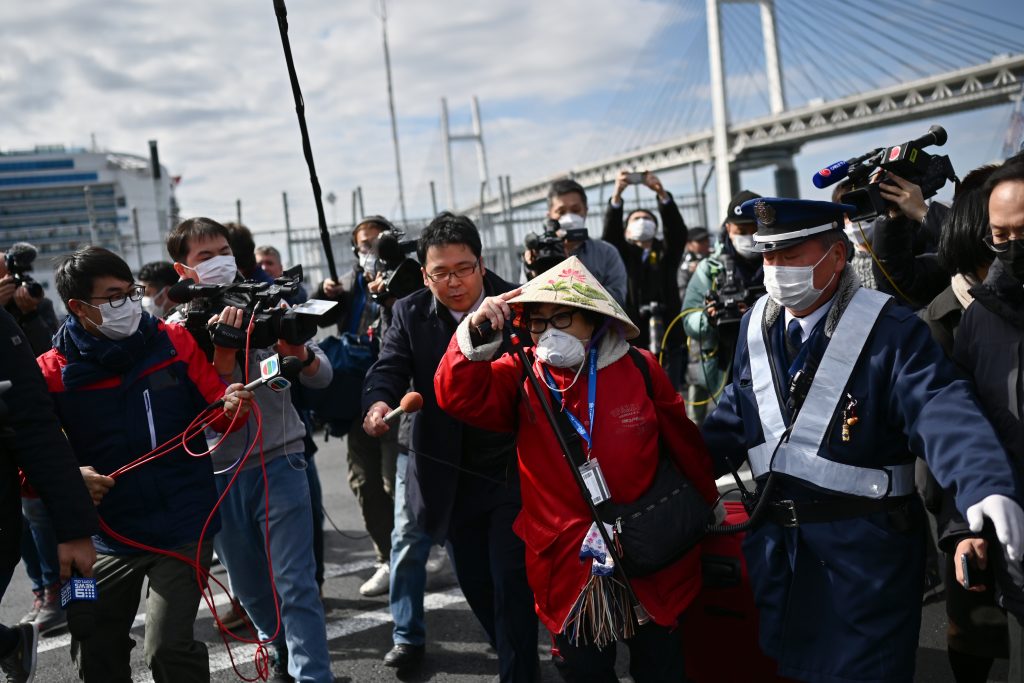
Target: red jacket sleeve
{"x":480,"y":393}
{"x":202,"y":374}
{"x":682,"y":437}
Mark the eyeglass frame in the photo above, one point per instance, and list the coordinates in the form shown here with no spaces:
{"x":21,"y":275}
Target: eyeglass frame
{"x":550,"y":322}
{"x":136,"y":292}
{"x":447,"y":276}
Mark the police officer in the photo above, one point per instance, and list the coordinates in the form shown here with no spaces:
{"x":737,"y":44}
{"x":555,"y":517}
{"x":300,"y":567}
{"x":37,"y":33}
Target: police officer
{"x":836,"y":390}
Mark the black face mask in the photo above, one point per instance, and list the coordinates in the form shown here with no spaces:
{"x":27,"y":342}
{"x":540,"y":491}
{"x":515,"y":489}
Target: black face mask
{"x":1013,"y":259}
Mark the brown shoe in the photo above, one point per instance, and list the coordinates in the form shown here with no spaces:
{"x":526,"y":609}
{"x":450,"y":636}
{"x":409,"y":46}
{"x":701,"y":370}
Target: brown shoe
{"x":233,"y":617}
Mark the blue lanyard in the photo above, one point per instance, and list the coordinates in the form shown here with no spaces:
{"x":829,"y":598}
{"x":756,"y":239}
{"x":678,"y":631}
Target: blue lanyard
{"x":591,"y":398}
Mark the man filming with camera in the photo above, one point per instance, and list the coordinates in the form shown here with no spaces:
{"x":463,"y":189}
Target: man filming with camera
{"x":201,"y":251}
{"x":720,"y":290}
{"x":23,"y":297}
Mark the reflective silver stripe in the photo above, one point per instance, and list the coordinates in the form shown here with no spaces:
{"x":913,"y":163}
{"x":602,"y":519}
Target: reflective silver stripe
{"x":796,"y":233}
{"x":768,"y":402}
{"x":799,"y":457}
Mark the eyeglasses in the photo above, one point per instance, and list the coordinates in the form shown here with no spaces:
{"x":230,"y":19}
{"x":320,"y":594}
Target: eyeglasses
{"x":559,"y":321}
{"x":135,"y":293}
{"x":1003,"y":245}
{"x":460,"y":273}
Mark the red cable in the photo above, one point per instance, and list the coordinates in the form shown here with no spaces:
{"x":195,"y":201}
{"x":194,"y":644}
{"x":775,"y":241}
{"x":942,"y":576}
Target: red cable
{"x":261,"y":657}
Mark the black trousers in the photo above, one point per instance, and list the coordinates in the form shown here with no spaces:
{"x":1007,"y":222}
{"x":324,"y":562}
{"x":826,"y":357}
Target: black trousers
{"x":655,"y":656}
{"x":490,"y":564}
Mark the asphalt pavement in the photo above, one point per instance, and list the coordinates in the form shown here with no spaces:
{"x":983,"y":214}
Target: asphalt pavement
{"x":359,"y":629}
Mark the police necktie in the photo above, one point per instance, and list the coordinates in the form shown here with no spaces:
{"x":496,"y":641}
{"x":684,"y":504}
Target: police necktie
{"x":794,"y":339}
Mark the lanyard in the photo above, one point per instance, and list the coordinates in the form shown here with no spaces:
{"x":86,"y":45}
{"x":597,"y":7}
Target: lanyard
{"x":591,"y":398}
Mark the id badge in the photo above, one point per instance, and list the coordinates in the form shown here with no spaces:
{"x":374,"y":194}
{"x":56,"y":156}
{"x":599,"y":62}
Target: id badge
{"x":594,"y":479}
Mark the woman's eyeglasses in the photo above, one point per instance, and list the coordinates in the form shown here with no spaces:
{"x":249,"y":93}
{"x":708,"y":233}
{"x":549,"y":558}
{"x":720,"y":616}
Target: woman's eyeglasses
{"x":559,"y":321}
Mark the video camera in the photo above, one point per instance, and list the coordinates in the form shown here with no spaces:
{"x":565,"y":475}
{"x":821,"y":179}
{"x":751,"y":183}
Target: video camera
{"x":19,"y":260}
{"x":402,"y":274}
{"x":547,"y":247}
{"x":727,"y":297}
{"x":908,"y":160}
{"x":259,"y":301}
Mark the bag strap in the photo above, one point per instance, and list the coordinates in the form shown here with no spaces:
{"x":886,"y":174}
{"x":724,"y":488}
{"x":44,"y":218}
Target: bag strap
{"x":641,"y":364}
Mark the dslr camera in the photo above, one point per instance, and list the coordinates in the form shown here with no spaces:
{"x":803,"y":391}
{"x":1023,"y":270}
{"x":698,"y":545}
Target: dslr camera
{"x":548,"y":250}
{"x":19,"y":260}
{"x":727,"y":297}
{"x":401,"y":273}
{"x":908,"y":160}
{"x":260,"y":303}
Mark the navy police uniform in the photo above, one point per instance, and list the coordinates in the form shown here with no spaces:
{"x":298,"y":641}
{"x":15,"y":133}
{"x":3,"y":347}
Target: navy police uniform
{"x":838,"y":566}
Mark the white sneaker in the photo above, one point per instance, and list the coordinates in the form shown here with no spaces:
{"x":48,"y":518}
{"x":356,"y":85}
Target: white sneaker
{"x":437,"y":561}
{"x":379,"y":583}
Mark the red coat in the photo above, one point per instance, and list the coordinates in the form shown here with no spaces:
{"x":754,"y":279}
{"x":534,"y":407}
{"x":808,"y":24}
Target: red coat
{"x":554,"y":517}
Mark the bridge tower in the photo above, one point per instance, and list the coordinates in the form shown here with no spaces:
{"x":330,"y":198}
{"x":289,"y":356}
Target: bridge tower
{"x":727,"y":169}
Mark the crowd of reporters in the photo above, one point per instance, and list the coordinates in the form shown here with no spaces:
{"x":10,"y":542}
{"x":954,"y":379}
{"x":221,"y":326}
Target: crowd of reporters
{"x":129,"y":369}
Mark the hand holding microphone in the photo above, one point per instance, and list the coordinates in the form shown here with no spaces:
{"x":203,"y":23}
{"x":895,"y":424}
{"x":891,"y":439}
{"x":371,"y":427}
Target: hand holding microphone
{"x":493,"y":313}
{"x":380,"y":414}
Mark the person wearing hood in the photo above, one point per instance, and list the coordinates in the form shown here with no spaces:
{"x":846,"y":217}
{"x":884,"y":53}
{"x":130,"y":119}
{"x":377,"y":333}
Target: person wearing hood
{"x":734,"y":265}
{"x":837,"y":392}
{"x":583,"y":355}
{"x":123,"y":382}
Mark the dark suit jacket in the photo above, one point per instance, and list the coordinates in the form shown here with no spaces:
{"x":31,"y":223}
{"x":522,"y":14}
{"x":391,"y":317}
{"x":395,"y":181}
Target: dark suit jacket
{"x":412,"y":349}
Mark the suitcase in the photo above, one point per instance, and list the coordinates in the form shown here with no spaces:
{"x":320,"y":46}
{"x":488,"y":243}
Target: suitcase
{"x":719,"y":629}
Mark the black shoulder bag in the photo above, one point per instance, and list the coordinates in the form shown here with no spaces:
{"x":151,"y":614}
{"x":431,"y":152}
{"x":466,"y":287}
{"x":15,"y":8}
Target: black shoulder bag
{"x":663,"y":524}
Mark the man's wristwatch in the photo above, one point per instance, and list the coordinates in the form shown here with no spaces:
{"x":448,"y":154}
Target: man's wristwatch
{"x":310,"y":357}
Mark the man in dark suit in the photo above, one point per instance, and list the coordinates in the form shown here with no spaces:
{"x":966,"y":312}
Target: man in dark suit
{"x":462,"y":486}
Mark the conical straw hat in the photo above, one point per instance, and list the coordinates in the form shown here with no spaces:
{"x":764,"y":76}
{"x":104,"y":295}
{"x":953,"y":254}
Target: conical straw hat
{"x":570,"y":284}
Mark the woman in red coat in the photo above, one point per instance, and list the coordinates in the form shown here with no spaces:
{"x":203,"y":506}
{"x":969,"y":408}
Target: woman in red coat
{"x":576,"y":325}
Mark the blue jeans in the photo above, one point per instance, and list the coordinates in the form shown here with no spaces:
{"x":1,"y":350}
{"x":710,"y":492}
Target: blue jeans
{"x":39,"y":545}
{"x":410,"y":548}
{"x":241,"y":547}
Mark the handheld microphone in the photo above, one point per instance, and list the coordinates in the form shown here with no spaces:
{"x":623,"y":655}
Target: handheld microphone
{"x":77,"y":598}
{"x":278,"y":375}
{"x":936,"y":135}
{"x":830,"y":175}
{"x":410,"y":403}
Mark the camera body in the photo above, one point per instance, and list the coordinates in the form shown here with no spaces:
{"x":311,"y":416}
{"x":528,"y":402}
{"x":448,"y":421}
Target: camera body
{"x":260,"y":303}
{"x":727,"y":297}
{"x":19,"y":260}
{"x":401,"y":273}
{"x":547,"y":247}
{"x":909,"y":161}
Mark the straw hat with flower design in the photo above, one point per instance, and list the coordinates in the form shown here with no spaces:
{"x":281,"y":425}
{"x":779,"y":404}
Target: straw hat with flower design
{"x":570,"y":284}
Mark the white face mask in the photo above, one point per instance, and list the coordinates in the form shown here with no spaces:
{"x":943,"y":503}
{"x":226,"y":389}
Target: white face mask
{"x":640,"y":230}
{"x":853,"y":231}
{"x":572,"y":221}
{"x":560,"y":349}
{"x":368,"y":263}
{"x":220,"y":270}
{"x":121,"y":322}
{"x":744,"y":245}
{"x":154,"y":305}
{"x":793,"y":286}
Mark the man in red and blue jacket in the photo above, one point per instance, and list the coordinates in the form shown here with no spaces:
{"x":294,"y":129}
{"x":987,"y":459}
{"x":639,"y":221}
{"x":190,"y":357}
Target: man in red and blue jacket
{"x":124,"y":383}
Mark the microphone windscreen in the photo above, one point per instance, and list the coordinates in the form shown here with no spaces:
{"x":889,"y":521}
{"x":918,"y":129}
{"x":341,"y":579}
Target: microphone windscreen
{"x":831,"y":174}
{"x":412,"y":402}
{"x":180,"y":293}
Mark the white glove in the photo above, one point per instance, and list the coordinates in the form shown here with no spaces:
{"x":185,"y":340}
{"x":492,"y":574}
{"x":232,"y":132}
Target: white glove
{"x":720,"y":513}
{"x":1008,"y":519}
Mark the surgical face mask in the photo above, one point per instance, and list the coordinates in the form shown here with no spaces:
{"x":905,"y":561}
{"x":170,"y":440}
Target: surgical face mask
{"x":572,"y":221}
{"x":793,"y":286}
{"x":121,"y":322}
{"x":154,"y":305}
{"x":220,"y":270}
{"x":640,"y":230}
{"x":1013,"y":258}
{"x":368,"y":263}
{"x":744,"y":245}
{"x":853,"y":231}
{"x":560,"y":349}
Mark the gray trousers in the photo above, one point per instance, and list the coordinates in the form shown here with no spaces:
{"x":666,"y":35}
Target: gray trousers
{"x":371,"y":476}
{"x":172,"y":601}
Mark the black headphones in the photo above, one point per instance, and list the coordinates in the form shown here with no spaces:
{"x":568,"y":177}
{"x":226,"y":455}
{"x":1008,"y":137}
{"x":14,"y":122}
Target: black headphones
{"x":379,"y":221}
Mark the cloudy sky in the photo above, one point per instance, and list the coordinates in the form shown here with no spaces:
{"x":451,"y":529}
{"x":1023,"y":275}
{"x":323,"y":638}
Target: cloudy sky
{"x":560,"y":83}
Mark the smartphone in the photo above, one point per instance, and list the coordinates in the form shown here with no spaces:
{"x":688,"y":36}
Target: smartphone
{"x":635,"y":178}
{"x":965,"y":568}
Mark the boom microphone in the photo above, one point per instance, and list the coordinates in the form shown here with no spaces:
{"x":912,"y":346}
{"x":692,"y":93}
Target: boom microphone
{"x":410,"y":403}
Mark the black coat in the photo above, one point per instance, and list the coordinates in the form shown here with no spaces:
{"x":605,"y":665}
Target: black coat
{"x":31,"y":438}
{"x":906,"y":250}
{"x":653,"y":279}
{"x":412,"y":348}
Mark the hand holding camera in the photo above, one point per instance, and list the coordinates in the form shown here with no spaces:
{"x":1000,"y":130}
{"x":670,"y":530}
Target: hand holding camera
{"x":906,"y":197}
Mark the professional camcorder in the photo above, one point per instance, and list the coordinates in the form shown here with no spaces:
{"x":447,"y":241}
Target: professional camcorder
{"x":260,"y":302}
{"x":547,"y":247}
{"x":19,"y":260}
{"x":908,"y":160}
{"x":401,"y":273}
{"x":727,"y":297}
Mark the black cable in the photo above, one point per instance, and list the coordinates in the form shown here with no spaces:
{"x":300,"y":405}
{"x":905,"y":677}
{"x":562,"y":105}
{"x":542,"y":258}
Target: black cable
{"x":307,"y":150}
{"x":354,"y":537}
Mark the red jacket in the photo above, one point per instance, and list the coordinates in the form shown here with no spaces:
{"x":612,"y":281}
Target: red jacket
{"x":554,"y":517}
